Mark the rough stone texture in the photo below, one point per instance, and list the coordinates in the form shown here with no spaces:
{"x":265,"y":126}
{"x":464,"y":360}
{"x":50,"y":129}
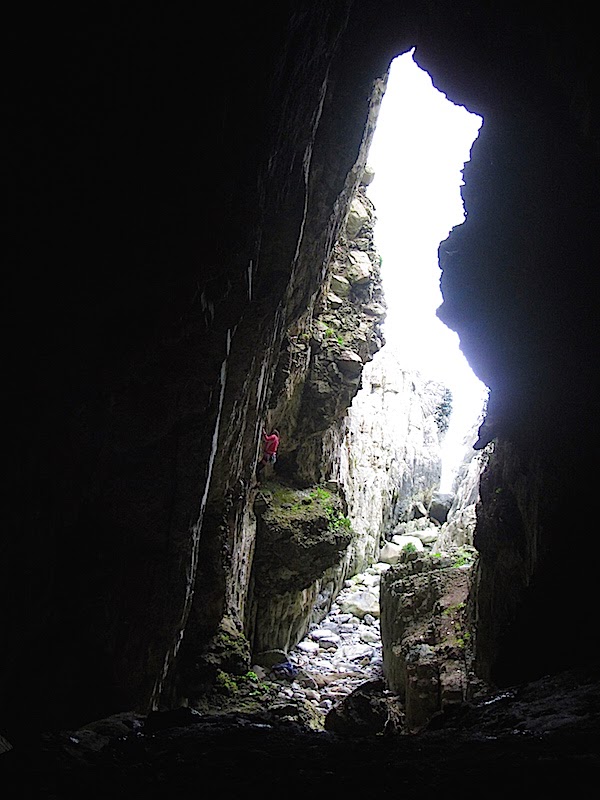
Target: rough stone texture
{"x":367,"y":711}
{"x":516,"y":570}
{"x":541,"y":736}
{"x":424,"y":634}
{"x":390,"y":454}
{"x":177,"y":208}
{"x":458,"y":529}
{"x":300,"y":547}
{"x":284,"y":578}
{"x":320,"y":370}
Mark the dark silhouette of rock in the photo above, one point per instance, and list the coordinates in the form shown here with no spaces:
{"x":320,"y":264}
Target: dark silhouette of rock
{"x":180,"y":194}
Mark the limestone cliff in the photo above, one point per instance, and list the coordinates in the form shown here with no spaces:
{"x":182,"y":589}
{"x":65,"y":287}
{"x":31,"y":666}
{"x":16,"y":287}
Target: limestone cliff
{"x":322,"y":359}
{"x":390,"y":453}
{"x":318,"y":375}
{"x":458,"y":528}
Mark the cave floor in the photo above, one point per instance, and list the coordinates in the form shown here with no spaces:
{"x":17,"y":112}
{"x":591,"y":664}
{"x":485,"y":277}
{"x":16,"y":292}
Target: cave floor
{"x":539,"y":736}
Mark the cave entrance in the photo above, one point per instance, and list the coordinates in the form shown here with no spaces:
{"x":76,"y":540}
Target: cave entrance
{"x":419,"y":149}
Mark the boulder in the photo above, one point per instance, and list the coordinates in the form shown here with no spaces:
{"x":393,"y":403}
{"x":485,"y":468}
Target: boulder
{"x":375,"y":310}
{"x":428,"y":536}
{"x":440,"y":506}
{"x":359,"y":267}
{"x":353,"y":652}
{"x":340,"y":285}
{"x":334,"y":300}
{"x":367,"y":176}
{"x":367,"y":711}
{"x":268,"y":658}
{"x":402,"y":541}
{"x":349,"y":363}
{"x":390,"y":553}
{"x":360,"y":603}
{"x":358,"y":217}
{"x":418,"y":511}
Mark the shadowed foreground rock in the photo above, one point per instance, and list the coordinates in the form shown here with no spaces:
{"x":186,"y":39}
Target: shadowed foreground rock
{"x":533,"y":737}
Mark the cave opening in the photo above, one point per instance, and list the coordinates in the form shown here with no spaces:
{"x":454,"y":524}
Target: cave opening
{"x":419,"y":149}
{"x":114,"y":453}
{"x":408,"y":471}
{"x":396,"y":459}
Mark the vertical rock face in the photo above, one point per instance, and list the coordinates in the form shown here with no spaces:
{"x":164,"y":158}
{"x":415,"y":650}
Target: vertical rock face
{"x":458,"y":528}
{"x":424,"y":635}
{"x":317,"y":376}
{"x":301,"y":543}
{"x":515,"y":570}
{"x":319,"y":373}
{"x":390,"y":455}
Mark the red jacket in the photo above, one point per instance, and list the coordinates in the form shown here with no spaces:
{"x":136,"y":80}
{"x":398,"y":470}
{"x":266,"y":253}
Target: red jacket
{"x":271,"y":443}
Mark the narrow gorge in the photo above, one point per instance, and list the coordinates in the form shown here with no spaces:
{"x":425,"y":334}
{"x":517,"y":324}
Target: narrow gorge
{"x":195,"y":260}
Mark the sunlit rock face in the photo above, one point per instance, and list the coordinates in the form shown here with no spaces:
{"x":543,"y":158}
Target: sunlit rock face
{"x":458,"y":528}
{"x":390,"y":454}
{"x":319,"y":372}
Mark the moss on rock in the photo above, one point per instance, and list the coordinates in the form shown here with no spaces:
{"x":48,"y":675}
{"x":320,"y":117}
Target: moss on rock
{"x":301,"y":533}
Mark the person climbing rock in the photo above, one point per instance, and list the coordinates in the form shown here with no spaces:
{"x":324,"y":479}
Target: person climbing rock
{"x":271,"y":443}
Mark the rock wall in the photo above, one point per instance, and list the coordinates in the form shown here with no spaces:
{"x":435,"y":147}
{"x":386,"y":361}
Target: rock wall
{"x":299,"y":564}
{"x":304,"y":377}
{"x":458,"y":527}
{"x":319,"y":372}
{"x":354,"y":422}
{"x":318,"y":375}
{"x":425,"y":636}
{"x":390,"y":453}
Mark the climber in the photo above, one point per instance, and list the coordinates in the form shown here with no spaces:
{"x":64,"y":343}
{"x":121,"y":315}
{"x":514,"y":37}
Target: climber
{"x":271,"y":443}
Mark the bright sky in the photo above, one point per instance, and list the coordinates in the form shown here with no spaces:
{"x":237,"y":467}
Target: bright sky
{"x":420,"y":146}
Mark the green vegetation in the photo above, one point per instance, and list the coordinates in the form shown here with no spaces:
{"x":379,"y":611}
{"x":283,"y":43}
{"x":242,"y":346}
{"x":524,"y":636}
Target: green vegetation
{"x":409,"y":547}
{"x":284,"y":497}
{"x":249,"y":684}
{"x":337,"y":520}
{"x":453,"y":609}
{"x":226,"y":683}
{"x":330,"y":333}
{"x":288,"y":503}
{"x":318,"y":493}
{"x":460,"y":558}
{"x":463,"y":558}
{"x":443,"y":411}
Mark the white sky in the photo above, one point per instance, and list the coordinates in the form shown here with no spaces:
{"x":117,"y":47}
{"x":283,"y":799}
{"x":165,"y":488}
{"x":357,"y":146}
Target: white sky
{"x":419,"y":149}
